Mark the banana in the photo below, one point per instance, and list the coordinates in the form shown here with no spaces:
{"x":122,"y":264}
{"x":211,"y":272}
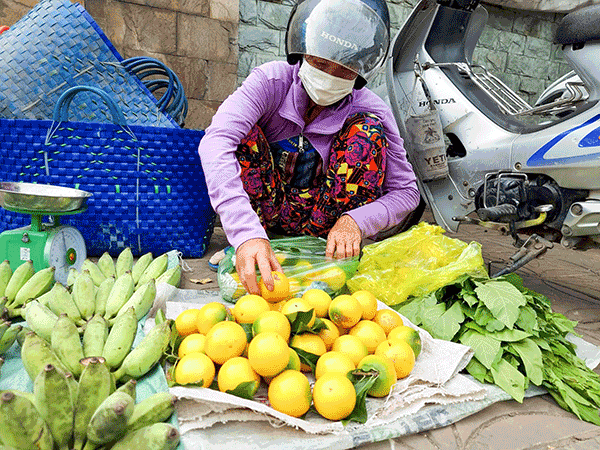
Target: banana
{"x":4,"y":326}
{"x":84,"y":294}
{"x":94,"y":336}
{"x":95,"y":272}
{"x":36,"y":353}
{"x":73,"y":385}
{"x":44,"y":299}
{"x":141,"y":300}
{"x":140,"y":265}
{"x":102,"y":294}
{"x":124,"y":262}
{"x":158,"y":436}
{"x":66,"y":344}
{"x":107,"y":265}
{"x":94,"y":387}
{"x":171,"y":276}
{"x":9,"y":338}
{"x":119,"y":294}
{"x":19,"y":277}
{"x":56,"y":408}
{"x":146,"y":354}
{"x":120,"y":339}
{"x":156,"y":408}
{"x":72,"y":276}
{"x":154,"y":270}
{"x":5,"y":274}
{"x":21,"y":425}
{"x":129,"y":388}
{"x":61,"y":301}
{"x":40,"y":319}
{"x":21,"y":335}
{"x":39,"y":283}
{"x":109,"y":422}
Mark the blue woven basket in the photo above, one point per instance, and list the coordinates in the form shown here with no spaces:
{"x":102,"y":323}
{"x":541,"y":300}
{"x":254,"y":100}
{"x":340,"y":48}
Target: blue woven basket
{"x":149,"y":191}
{"x":58,"y":45}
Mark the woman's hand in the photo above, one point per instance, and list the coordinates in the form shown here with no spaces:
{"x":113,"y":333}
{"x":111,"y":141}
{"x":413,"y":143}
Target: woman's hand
{"x":252,"y":253}
{"x":343,"y":241}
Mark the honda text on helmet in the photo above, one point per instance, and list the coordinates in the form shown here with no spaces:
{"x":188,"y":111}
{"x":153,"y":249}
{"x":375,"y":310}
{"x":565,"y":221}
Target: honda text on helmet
{"x":352,"y":33}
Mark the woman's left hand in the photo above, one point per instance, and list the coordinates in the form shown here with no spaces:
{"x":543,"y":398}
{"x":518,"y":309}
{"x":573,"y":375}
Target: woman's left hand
{"x":343,"y":241}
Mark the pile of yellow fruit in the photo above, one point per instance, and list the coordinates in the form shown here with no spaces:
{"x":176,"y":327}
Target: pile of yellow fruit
{"x":339,"y":339}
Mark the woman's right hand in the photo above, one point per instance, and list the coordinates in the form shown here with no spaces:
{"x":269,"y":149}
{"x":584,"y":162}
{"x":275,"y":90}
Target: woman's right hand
{"x":249,"y":255}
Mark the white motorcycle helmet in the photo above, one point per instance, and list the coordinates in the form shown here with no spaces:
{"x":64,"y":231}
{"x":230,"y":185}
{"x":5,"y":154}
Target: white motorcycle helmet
{"x":352,"y":33}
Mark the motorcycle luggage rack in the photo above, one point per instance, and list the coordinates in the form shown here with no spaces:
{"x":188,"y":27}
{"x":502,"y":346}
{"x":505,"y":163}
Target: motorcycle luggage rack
{"x":505,"y":98}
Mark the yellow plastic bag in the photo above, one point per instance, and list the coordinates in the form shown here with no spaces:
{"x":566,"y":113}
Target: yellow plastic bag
{"x":415,"y":263}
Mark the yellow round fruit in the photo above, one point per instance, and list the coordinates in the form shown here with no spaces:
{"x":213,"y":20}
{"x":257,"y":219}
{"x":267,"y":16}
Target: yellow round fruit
{"x":298,"y":304}
{"x":329,"y":334}
{"x":185,"y":323}
{"x":351,"y":346}
{"x":334,"y":396}
{"x":268,"y":353}
{"x":333,"y":276}
{"x":294,"y":363}
{"x":211,"y":314}
{"x":289,"y":393}
{"x":277,"y":306}
{"x":368,"y":301}
{"x":302,"y":266}
{"x":345,"y":311}
{"x":334,"y":362}
{"x":370,"y":333}
{"x":388,"y":319}
{"x":406,"y":334}
{"x":195,"y":368}
{"x":192,"y":343}
{"x":281,"y":288}
{"x":319,"y":300}
{"x":249,"y":307}
{"x":310,"y":343}
{"x":224,"y":341}
{"x":236,"y":371}
{"x":387,"y":374}
{"x":401,"y":354}
{"x":272,"y":321}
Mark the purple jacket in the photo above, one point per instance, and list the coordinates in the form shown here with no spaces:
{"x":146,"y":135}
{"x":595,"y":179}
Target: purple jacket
{"x":273,"y":97}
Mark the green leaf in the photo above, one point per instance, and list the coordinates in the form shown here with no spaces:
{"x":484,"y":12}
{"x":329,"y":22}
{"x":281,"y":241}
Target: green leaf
{"x":362,"y":381}
{"x":478,"y":371}
{"x":527,"y":320}
{"x":482,"y":315}
{"x":531,"y":356}
{"x":561,"y":323}
{"x":470,"y":299}
{"x":494,"y":325}
{"x":502,"y":299}
{"x":299,"y":321}
{"x":485,"y":348}
{"x":247,"y":327}
{"x":441,"y":323}
{"x":506,"y":335}
{"x":246,"y":390}
{"x":310,"y":359}
{"x":509,"y":379}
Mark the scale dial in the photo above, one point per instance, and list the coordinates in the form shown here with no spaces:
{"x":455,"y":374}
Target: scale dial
{"x":65,"y":248}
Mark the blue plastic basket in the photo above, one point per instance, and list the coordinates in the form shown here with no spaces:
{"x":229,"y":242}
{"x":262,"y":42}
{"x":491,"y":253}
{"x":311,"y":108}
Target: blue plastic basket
{"x":58,"y":45}
{"x":148,"y":186}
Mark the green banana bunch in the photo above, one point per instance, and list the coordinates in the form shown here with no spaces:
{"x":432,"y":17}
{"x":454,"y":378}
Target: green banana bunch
{"x":5,"y":275}
{"x":21,"y":425}
{"x":140,"y":265}
{"x":124,"y":262}
{"x":158,"y":436}
{"x":109,"y":422}
{"x":141,"y":300}
{"x":66,"y":344}
{"x":19,"y":277}
{"x":146,"y":354}
{"x":84,"y":294}
{"x":72,"y":276}
{"x":39,"y":283}
{"x":94,"y":336}
{"x":107,"y":265}
{"x":156,"y":408}
{"x":36,"y":353}
{"x":55,"y":407}
{"x":8,"y":338}
{"x":94,"y":387}
{"x":129,"y":388}
{"x":119,"y":294}
{"x":61,"y":301}
{"x":171,"y":276}
{"x":40,"y":319}
{"x":102,"y":294}
{"x":95,"y":272}
{"x":120,"y":339}
{"x":154,"y":270}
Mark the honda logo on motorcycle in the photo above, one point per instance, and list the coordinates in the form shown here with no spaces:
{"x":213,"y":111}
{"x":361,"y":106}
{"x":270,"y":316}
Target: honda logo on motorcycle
{"x":339,"y":41}
{"x":437,"y":101}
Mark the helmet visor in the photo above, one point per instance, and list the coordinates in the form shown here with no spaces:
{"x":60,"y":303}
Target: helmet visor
{"x":347,"y":32}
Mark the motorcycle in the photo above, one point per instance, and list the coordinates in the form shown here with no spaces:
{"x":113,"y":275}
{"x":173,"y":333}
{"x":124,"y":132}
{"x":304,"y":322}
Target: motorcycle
{"x":531,"y":172}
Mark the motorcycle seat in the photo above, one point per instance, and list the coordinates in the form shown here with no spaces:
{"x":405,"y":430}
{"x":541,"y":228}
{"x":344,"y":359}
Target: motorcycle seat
{"x":579,"y":26}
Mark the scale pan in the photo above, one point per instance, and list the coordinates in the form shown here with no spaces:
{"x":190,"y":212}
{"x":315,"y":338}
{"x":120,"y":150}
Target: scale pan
{"x":41,"y":197}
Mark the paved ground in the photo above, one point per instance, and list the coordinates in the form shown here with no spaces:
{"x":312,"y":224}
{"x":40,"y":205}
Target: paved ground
{"x":570,"y":280}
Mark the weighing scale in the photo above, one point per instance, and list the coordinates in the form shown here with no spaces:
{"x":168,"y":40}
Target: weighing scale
{"x":46,"y":244}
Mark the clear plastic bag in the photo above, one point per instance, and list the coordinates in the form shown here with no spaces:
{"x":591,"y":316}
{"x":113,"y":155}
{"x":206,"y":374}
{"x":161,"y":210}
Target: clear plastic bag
{"x":415,"y":263}
{"x":303,"y":262}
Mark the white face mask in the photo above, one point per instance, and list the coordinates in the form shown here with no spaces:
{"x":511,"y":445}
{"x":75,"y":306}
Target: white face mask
{"x":324,"y":89}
